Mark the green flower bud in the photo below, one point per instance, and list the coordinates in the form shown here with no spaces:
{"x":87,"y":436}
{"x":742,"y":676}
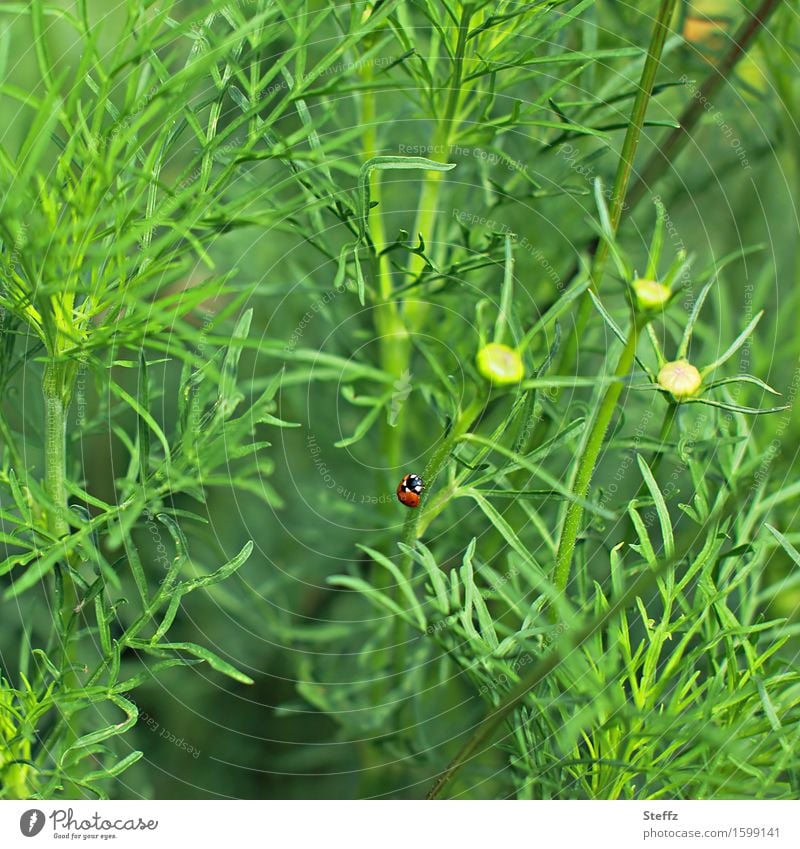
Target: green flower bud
{"x":500,"y":365}
{"x":680,"y":378}
{"x":650,"y":294}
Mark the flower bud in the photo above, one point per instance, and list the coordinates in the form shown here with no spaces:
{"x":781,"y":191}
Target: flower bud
{"x":680,"y":378}
{"x":650,"y":294}
{"x":500,"y":365}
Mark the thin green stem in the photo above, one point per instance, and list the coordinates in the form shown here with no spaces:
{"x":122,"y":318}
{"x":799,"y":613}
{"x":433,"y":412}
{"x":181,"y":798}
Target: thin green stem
{"x":55,"y":424}
{"x":57,"y":390}
{"x":663,"y":436}
{"x":428,"y":208}
{"x":588,"y":460}
{"x":411,"y":529}
{"x":624,"y":169}
{"x":633,"y":133}
{"x":677,"y":138}
{"x":435,"y":465}
{"x":390,"y":327}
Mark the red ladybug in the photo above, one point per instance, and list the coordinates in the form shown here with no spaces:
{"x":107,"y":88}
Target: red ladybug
{"x":409,"y":490}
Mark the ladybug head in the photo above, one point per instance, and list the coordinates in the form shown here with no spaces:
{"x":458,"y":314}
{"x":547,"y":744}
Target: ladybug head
{"x":414,"y":483}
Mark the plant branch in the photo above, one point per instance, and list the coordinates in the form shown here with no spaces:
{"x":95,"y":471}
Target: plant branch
{"x":462,"y":424}
{"x":624,"y":169}
{"x":588,"y":460}
{"x":633,"y":134}
{"x":677,"y":138}
{"x":57,"y":390}
{"x":56,"y":400}
{"x":389,"y":326}
{"x":427,"y":210}
{"x":663,"y":436}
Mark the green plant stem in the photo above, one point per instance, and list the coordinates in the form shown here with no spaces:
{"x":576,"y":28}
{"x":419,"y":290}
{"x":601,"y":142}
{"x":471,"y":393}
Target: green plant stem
{"x":663,"y":436}
{"x":55,"y":435}
{"x":588,"y":460}
{"x":677,"y":138}
{"x":624,"y":169}
{"x":389,"y":325}
{"x":428,"y":208}
{"x":664,"y":155}
{"x":411,"y":529}
{"x":57,"y":390}
{"x":440,"y":456}
{"x":429,"y":508}
{"x":633,"y":133}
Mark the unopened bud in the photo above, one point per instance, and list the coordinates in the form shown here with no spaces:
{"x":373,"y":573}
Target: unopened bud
{"x":680,"y":378}
{"x":650,"y":294}
{"x":500,"y":365}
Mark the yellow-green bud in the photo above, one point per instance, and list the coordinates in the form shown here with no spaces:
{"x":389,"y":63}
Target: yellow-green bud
{"x":680,"y":378}
{"x":500,"y":365}
{"x":650,"y":294}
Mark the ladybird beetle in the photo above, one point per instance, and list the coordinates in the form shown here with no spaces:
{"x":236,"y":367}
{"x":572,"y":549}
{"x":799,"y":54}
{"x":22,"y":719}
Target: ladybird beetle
{"x":409,"y":490}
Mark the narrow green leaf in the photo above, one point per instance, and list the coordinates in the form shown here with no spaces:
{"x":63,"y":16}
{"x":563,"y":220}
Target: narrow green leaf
{"x":102,"y":624}
{"x":230,"y":396}
{"x":422,"y":554}
{"x":232,"y":566}
{"x":361,"y":283}
{"x":114,"y":770}
{"x":402,"y":583}
{"x":736,"y":408}
{"x":686,"y":338}
{"x":537,"y":471}
{"x":149,"y":674}
{"x":212,"y":659}
{"x":485,"y":621}
{"x":793,"y":553}
{"x":660,"y":504}
{"x":364,"y":425}
{"x":143,"y":397}
{"x":507,"y":293}
{"x":169,"y":616}
{"x":740,"y":378}
{"x":80,"y":746}
{"x":369,"y":592}
{"x":734,"y":347}
{"x":142,"y":413}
